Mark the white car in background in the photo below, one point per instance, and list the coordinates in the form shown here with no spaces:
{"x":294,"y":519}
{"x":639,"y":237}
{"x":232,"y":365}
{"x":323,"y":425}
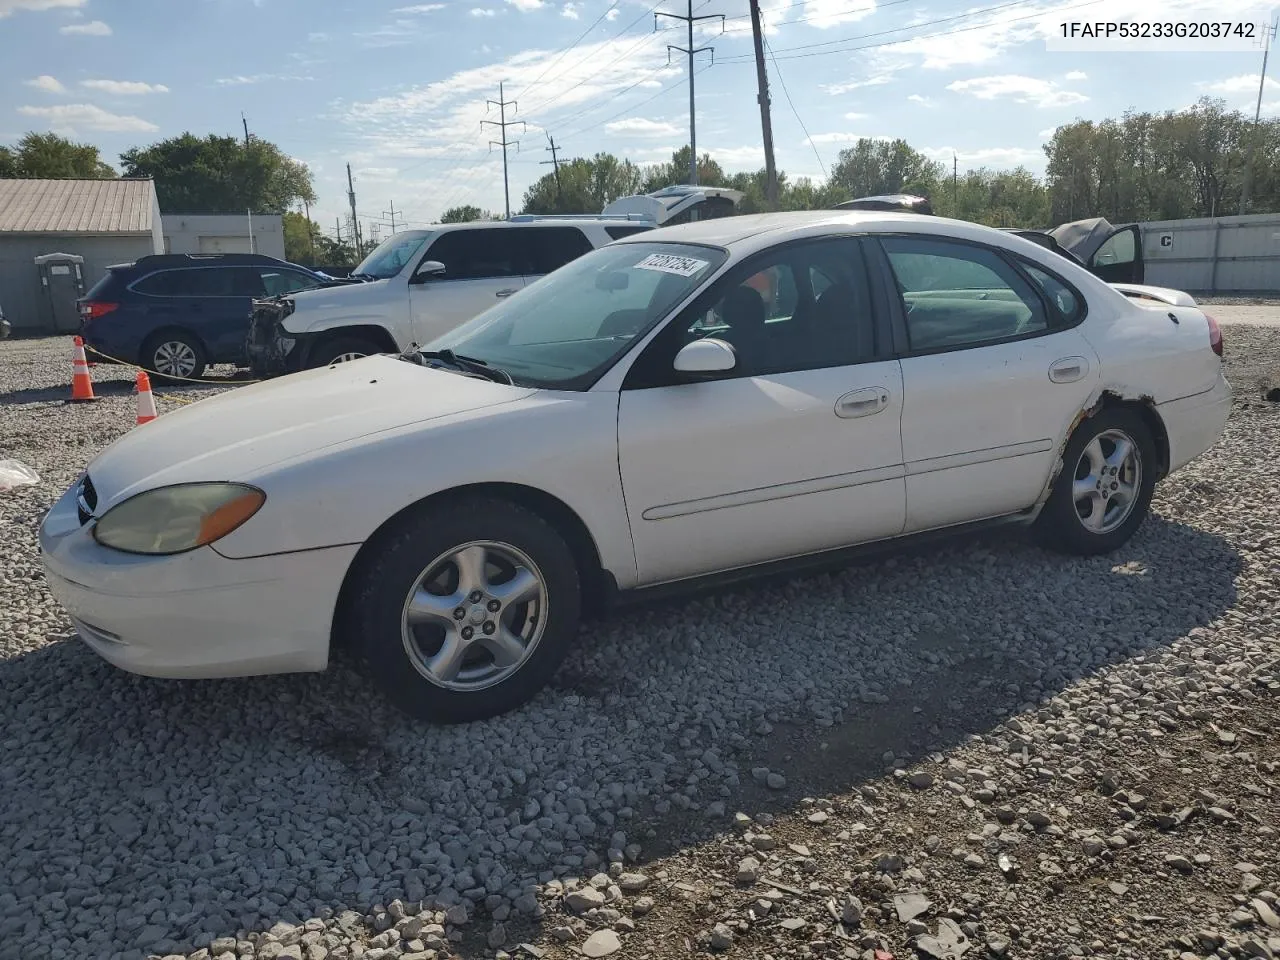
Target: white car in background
{"x":699,"y":402}
{"x":420,"y":284}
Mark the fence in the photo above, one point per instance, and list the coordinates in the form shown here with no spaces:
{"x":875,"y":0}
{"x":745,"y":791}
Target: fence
{"x":1222,"y":255}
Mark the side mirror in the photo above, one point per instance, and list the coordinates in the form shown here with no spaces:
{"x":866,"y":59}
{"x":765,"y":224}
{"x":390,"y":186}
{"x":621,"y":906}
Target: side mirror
{"x":702,"y":357}
{"x":428,"y":269}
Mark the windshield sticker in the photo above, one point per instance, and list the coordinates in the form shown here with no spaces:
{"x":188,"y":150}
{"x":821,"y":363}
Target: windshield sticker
{"x":667,"y":263}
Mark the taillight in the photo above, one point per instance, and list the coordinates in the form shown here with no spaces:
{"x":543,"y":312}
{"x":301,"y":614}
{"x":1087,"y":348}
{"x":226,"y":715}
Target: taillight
{"x":93,"y":309}
{"x":1215,"y":335}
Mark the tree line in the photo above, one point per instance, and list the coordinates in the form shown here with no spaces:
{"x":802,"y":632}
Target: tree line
{"x":1143,"y":166}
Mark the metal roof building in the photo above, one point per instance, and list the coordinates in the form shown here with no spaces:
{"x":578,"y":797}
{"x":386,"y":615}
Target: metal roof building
{"x":103,"y":221}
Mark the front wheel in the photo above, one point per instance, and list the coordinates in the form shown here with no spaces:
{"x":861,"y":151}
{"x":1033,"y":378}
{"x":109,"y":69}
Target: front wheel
{"x":467,"y":610}
{"x":1104,"y":490}
{"x":342,"y":350}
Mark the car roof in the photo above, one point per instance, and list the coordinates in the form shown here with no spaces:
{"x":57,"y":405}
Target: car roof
{"x":526,"y":224}
{"x":763,"y":229}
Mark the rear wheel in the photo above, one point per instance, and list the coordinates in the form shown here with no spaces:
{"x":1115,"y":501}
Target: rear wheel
{"x":1104,"y":490}
{"x":467,"y":610}
{"x":342,"y":350}
{"x":175,"y":356}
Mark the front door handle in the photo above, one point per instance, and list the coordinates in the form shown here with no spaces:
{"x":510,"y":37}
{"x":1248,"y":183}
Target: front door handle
{"x":862,"y":403}
{"x":1069,"y":369}
{"x":506,"y":293}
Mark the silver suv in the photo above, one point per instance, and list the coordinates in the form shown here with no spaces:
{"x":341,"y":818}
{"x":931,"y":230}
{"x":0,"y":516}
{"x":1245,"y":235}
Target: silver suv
{"x":418,"y":285}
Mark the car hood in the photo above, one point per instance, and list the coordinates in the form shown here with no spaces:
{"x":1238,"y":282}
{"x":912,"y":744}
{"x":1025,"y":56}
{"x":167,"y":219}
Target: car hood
{"x":237,"y":434}
{"x":339,"y":295}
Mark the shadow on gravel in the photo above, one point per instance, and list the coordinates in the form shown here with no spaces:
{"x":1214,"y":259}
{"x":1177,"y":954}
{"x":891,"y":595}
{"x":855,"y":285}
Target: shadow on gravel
{"x":111,"y":388}
{"x":165,"y":813}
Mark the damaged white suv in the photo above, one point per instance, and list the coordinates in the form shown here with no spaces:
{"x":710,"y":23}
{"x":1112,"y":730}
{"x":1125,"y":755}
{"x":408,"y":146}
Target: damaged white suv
{"x":419,"y":284}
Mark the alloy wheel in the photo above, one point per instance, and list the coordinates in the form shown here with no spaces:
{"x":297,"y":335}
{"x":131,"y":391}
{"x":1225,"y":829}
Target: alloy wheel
{"x":1108,"y":478}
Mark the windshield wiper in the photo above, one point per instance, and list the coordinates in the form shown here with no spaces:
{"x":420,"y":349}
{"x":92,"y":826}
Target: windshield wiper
{"x":470,"y":364}
{"x":366,"y":276}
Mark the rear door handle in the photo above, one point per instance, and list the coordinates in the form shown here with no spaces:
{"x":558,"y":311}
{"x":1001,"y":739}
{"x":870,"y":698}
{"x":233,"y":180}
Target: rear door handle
{"x":862,"y":403}
{"x":1069,"y":369}
{"x":506,"y":293}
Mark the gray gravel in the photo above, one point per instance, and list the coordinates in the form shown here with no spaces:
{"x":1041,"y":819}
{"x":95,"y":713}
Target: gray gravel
{"x":300,"y":817}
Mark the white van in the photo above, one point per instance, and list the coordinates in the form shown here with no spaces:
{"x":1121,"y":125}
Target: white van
{"x":419,"y":284}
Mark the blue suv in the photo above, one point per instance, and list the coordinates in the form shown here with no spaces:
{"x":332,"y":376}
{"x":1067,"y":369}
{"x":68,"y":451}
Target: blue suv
{"x":175,"y":314}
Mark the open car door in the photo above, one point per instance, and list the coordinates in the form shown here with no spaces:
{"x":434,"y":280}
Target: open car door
{"x":1113,"y":254}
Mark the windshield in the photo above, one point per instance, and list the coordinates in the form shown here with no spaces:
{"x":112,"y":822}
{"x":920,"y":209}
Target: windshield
{"x":567,"y":328}
{"x":389,"y":257}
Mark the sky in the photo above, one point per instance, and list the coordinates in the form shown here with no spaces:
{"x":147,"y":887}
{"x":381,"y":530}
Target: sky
{"x":399,"y":89}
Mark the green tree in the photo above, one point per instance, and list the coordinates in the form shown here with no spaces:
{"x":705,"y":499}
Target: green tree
{"x":584,"y":185}
{"x":465,"y":214}
{"x":302,"y":239}
{"x":876,"y":167}
{"x":47,"y":155}
{"x":659,"y":175}
{"x":221,"y":175}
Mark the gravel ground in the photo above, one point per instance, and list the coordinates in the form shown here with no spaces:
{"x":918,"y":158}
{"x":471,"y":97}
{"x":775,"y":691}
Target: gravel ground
{"x":979,"y":750}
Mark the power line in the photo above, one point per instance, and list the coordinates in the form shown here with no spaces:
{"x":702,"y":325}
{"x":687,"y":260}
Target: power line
{"x":787,"y":93}
{"x":914,"y":26}
{"x":689,"y":20}
{"x":614,"y":6}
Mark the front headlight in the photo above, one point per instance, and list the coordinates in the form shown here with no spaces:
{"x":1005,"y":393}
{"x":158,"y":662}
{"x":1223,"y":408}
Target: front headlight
{"x":179,"y":518}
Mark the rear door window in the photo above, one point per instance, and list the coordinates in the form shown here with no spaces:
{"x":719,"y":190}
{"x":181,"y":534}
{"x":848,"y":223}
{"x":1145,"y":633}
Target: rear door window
{"x":550,"y":248}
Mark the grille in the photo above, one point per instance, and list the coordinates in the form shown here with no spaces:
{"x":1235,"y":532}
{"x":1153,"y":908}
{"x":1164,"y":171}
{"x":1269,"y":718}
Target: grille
{"x":86,"y":500}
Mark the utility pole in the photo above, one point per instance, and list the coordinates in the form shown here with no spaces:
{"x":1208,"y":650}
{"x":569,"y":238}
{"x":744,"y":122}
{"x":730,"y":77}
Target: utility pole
{"x":1257,"y":115}
{"x":502,"y":103}
{"x":766,"y":124}
{"x":555,"y":163}
{"x":355,"y":222}
{"x":311,"y":239}
{"x":392,"y":215}
{"x":689,"y":19}
{"x":337,"y":229}
{"x":246,"y":128}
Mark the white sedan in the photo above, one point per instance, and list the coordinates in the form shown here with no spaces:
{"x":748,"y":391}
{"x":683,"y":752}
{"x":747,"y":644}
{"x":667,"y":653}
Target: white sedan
{"x":692,"y":402}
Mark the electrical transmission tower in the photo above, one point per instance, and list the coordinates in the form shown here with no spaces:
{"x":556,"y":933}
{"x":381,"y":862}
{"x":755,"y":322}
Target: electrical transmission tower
{"x":502,"y":123}
{"x":689,"y":19}
{"x":392,"y":215}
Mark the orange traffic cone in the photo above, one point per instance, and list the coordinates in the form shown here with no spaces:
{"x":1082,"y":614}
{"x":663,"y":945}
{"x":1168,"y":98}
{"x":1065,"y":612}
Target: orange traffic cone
{"x":146,"y":401}
{"x":81,"y":382}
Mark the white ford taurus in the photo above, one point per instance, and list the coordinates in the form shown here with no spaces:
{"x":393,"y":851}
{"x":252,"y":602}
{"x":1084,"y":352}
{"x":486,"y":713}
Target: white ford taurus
{"x":690,"y":402}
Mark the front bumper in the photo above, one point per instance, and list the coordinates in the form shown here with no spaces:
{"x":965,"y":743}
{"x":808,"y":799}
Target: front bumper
{"x":273,"y":351}
{"x":197,"y":614}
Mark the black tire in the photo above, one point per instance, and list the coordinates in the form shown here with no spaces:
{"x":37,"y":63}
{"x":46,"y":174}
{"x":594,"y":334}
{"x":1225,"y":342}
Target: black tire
{"x":1059,"y":525}
{"x":329,"y":351}
{"x":378,"y":605}
{"x":162,"y":350}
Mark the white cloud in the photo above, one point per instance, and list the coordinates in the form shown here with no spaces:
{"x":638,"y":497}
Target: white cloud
{"x":570,"y":10}
{"x":612,"y":15}
{"x":841,"y":137}
{"x":1047,"y":133}
{"x":749,"y":157}
{"x":84,"y":116}
{"x":999,"y":157}
{"x":240,"y":80}
{"x":46,"y":83}
{"x":856,"y":116}
{"x":922,"y":100}
{"x":527,"y":4}
{"x":9,"y":6}
{"x":124,"y":88}
{"x":640,"y":127}
{"x":1020,"y":89}
{"x":94,"y":28}
{"x":851,"y":85}
{"x":831,"y":13}
{"x":1245,"y":83}
{"x":1077,"y":75}
{"x":483,"y":12}
{"x":420,"y":8}
{"x":317,"y":37}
